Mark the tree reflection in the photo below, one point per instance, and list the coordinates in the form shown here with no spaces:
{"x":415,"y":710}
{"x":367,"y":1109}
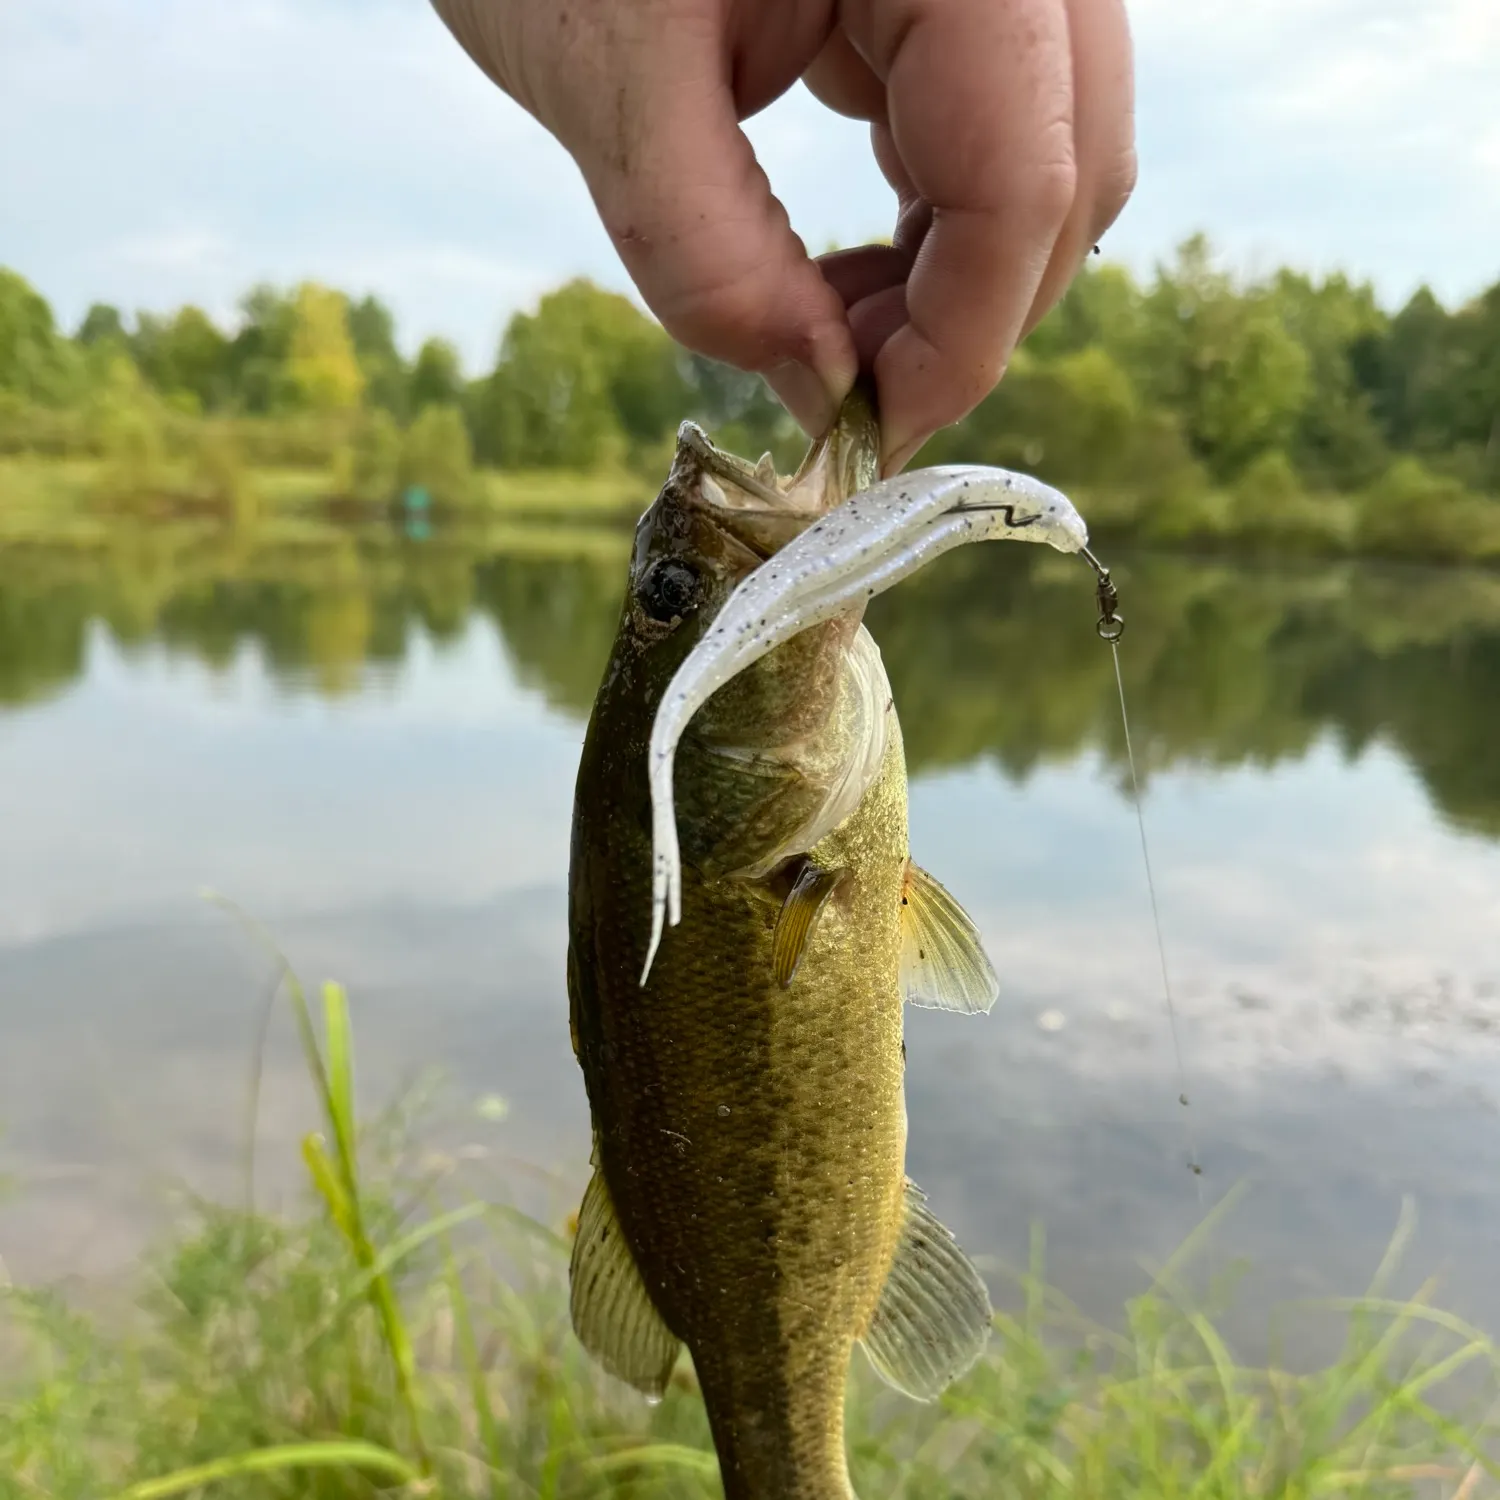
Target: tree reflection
{"x":991,"y":651}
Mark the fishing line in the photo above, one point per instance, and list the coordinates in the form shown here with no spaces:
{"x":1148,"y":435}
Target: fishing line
{"x":1110,"y":627}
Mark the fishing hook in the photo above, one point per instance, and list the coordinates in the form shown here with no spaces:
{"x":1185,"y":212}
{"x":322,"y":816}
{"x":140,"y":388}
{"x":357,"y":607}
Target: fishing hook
{"x":1008,"y":511}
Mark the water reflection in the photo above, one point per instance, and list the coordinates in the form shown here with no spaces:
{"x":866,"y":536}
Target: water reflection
{"x":370,"y":741}
{"x":989,"y":651}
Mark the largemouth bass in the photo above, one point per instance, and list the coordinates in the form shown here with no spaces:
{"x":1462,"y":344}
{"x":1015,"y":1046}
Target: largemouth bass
{"x":749,"y":1197}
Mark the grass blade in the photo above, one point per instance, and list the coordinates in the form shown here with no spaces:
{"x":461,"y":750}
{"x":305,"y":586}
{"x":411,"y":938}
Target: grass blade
{"x":657,"y":1455}
{"x":281,"y":1459}
{"x":340,"y":1071}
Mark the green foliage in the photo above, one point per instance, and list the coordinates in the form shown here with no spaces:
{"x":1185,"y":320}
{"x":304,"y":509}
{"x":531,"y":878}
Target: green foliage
{"x":1104,"y":307}
{"x":322,"y":372}
{"x":1474,"y":389}
{"x":1336,"y":440}
{"x":259,"y":353}
{"x":1273,"y":510}
{"x":184,"y":355}
{"x":579,"y":383}
{"x":101,"y":324}
{"x":35,"y":362}
{"x":372,"y":329}
{"x":218,"y":475}
{"x":1071,"y":418}
{"x":437,"y":377}
{"x":127,"y":426}
{"x":1222,"y":358}
{"x":1410,"y":511}
{"x":742,"y":413}
{"x":1197,"y":409}
{"x":436,"y":455}
{"x":374,"y":459}
{"x":27,"y":426}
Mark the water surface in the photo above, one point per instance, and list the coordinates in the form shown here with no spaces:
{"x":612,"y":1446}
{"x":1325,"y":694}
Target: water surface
{"x":370,"y":743}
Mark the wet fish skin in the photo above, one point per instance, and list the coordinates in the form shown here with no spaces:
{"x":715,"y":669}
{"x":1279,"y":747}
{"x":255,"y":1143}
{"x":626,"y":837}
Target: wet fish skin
{"x":749,"y":1134}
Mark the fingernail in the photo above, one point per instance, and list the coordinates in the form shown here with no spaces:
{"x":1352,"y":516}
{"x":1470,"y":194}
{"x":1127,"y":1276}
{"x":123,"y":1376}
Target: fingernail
{"x":897,"y":457}
{"x":802,"y":392}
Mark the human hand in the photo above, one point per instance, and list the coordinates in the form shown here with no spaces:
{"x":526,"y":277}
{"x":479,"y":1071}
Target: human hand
{"x":1004,"y":127}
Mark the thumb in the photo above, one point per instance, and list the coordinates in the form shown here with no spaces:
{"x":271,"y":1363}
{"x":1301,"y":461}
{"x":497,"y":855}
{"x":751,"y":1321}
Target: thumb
{"x":710,"y":247}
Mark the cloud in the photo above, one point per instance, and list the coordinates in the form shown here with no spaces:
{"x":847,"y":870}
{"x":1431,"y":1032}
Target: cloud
{"x":1350,"y":133}
{"x":165,"y":150}
{"x":178,"y":251}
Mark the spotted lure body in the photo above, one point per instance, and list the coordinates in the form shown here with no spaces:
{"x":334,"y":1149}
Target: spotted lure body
{"x":871,"y":541}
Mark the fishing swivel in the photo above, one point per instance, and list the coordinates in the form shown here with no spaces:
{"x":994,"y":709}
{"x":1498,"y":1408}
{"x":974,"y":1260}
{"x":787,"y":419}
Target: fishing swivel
{"x":1111,"y":623}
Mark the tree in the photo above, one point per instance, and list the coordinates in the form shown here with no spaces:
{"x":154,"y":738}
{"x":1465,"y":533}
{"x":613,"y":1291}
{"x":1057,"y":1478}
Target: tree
{"x":1408,"y":372}
{"x":1222,"y":358}
{"x":257,"y":358}
{"x":322,"y":372}
{"x":578,"y":383}
{"x":437,"y":456}
{"x":375,"y":457}
{"x":1102,"y":307}
{"x":1474,"y":394}
{"x":742,"y":412}
{"x":184,"y":355}
{"x":1337,"y":439}
{"x":1069,"y":419}
{"x":372,"y":327}
{"x":437,"y":377}
{"x":101,"y":324}
{"x":34,"y":359}
{"x":125,"y":423}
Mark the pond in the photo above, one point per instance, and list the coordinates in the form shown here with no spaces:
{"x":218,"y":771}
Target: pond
{"x":369,"y":743}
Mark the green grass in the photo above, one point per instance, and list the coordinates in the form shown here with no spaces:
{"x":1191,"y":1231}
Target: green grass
{"x":562,"y":494}
{"x":404,"y":1337}
{"x":52,"y":489}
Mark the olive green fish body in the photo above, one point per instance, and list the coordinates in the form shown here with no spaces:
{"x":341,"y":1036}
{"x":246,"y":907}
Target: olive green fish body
{"x":750,"y":1130}
{"x":753,"y":1137}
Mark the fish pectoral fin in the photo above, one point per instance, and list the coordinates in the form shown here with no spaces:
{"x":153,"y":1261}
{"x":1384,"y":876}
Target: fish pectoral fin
{"x":799,"y":915}
{"x":613,"y":1314}
{"x":943,"y":962}
{"x":934,"y":1314}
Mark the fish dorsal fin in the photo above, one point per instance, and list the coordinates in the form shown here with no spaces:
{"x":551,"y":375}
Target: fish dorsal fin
{"x":613,"y":1314}
{"x":799,"y":915}
{"x":934,"y":1314}
{"x":943,"y":962}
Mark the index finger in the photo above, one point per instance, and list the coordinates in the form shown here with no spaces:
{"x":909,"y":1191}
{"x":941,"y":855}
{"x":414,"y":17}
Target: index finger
{"x":980,"y":100}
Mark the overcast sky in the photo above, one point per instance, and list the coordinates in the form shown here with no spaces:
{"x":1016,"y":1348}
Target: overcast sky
{"x":162,"y":151}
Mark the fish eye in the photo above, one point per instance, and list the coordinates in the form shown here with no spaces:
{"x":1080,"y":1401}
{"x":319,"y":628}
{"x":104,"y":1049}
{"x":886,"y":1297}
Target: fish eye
{"x":669,"y":589}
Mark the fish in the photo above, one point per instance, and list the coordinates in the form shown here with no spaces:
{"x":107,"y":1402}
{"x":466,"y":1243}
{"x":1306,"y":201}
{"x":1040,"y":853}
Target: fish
{"x":749,"y":1199}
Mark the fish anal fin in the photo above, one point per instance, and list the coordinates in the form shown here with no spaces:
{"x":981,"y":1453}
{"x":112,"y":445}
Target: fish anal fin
{"x":799,"y":915}
{"x":613,"y":1314}
{"x":934,"y":1314}
{"x":943,"y":962}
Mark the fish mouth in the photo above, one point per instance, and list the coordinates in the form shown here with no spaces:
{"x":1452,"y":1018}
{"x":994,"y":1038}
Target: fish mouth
{"x":763,"y":510}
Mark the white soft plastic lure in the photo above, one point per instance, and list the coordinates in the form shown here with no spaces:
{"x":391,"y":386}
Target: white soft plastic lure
{"x":859,"y":549}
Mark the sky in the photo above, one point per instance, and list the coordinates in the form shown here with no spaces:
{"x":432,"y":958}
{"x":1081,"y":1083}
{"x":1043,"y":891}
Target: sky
{"x":164,"y":151}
